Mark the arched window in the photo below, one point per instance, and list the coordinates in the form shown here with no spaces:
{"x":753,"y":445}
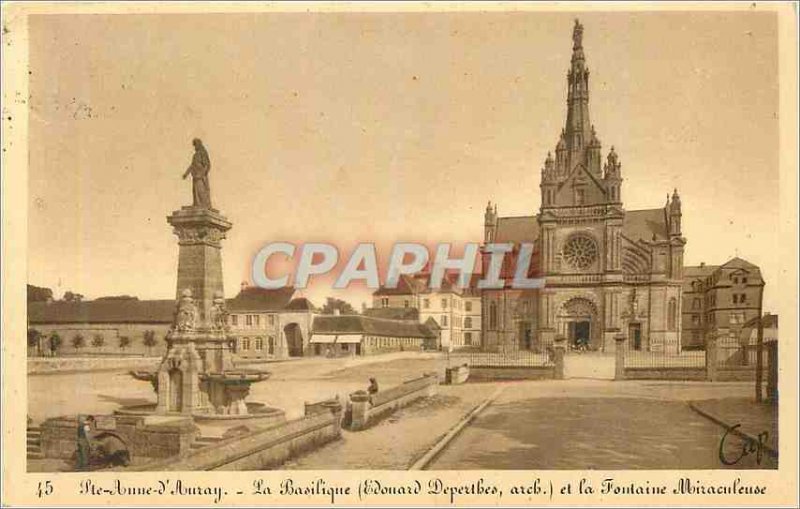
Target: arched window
{"x":672,"y":314}
{"x":493,"y":315}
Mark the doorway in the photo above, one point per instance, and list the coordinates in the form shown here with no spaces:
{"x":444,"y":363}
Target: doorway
{"x":635,"y":335}
{"x":579,"y":333}
{"x":175,"y":390}
{"x":294,"y":340}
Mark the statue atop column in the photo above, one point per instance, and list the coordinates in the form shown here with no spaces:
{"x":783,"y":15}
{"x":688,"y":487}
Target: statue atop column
{"x":201,"y":165}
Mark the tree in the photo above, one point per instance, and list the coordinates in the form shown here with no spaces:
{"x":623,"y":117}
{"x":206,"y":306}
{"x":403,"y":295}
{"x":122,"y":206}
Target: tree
{"x":39,"y":294}
{"x":98,"y":341}
{"x":124,"y":342}
{"x":34,"y":337}
{"x":332,"y":304}
{"x":72,"y":297}
{"x":78,"y":341}
{"x":149,"y":340}
{"x":55,"y":343}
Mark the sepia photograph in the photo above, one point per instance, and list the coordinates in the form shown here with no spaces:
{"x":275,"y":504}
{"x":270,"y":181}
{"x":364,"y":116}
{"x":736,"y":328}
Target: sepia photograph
{"x":310,"y":240}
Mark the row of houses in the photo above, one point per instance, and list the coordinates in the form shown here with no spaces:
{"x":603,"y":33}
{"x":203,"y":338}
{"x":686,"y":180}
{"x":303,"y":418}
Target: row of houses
{"x":276,"y":324}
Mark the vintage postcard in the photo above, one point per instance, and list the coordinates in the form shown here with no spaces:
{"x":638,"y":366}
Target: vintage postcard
{"x":401,"y":254}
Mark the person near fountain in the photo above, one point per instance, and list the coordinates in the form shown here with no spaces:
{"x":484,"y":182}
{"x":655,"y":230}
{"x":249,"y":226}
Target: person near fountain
{"x":372,"y":389}
{"x":84,"y":444}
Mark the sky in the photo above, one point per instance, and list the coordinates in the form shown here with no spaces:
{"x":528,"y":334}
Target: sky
{"x":382,"y":127}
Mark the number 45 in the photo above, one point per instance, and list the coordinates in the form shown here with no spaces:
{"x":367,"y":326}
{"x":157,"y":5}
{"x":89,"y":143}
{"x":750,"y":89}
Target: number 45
{"x":45,"y":488}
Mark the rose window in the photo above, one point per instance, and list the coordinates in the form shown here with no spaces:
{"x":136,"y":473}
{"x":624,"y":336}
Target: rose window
{"x":580,"y":252}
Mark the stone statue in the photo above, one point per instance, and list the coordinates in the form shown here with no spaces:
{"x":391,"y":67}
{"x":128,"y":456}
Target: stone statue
{"x":186,"y":312}
{"x":201,"y":165}
{"x":219,"y":315}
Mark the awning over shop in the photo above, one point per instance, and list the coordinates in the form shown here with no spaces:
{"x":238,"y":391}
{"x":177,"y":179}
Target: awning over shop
{"x":349,"y":338}
{"x":323,"y":338}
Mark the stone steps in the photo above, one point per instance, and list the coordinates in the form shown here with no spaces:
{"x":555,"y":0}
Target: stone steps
{"x":34,"y":443}
{"x":201,"y":442}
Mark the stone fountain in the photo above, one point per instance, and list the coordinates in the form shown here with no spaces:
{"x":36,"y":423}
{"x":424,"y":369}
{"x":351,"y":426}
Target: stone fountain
{"x":197,"y":376}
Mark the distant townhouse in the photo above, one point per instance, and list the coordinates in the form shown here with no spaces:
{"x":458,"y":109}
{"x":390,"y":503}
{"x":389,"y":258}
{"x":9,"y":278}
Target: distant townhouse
{"x":456,"y":311}
{"x":346,"y":335}
{"x":720,"y":298}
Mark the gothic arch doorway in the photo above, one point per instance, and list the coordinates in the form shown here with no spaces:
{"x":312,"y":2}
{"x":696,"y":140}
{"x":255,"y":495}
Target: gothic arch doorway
{"x":175,"y":390}
{"x":579,"y":324}
{"x":294,"y":339}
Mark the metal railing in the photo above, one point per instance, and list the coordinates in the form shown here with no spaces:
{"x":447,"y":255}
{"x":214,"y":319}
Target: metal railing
{"x":503,"y":358}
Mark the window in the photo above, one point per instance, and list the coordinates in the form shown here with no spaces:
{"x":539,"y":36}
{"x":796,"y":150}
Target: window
{"x":468,"y":338}
{"x":234,"y":320}
{"x":257,"y":320}
{"x":735,"y":298}
{"x":405,"y":303}
{"x":737,"y":317}
{"x":246,"y":344}
{"x":444,"y":320}
{"x":695,"y":319}
{"x":426,"y":303}
{"x":493,"y":315}
{"x":259,"y":343}
{"x":271,"y":319}
{"x":672,"y":312}
{"x":580,"y":196}
{"x":468,"y":306}
{"x":742,"y":298}
{"x":444,"y":303}
{"x":271,"y":343}
{"x":696,"y":303}
{"x":468,"y":322}
{"x":744,"y":280}
{"x":248,"y":320}
{"x":736,"y":280}
{"x":385,"y":302}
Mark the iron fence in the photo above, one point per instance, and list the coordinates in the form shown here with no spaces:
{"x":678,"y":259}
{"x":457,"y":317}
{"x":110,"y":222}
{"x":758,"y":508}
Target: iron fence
{"x":662,"y":359}
{"x":502,"y":358}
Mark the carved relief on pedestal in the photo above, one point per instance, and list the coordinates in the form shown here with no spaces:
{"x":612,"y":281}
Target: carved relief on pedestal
{"x":199,"y":235}
{"x":185,"y":313}
{"x":219,"y":314}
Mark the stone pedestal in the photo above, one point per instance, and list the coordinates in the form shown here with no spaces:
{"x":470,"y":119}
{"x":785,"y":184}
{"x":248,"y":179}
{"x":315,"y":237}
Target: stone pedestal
{"x":711,"y":357}
{"x":358,"y":409}
{"x":559,"y":348}
{"x":619,"y":357}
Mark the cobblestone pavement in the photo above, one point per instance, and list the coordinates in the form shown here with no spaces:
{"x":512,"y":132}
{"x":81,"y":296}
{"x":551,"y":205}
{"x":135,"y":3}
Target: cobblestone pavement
{"x":597,"y":425}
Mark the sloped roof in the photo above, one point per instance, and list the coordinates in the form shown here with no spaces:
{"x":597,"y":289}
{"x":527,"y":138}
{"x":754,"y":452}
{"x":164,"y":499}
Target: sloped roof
{"x":642,"y":224}
{"x":102,"y":311}
{"x":406,"y":285}
{"x":359,"y":324}
{"x":393,"y":313}
{"x":739,"y":263}
{"x":255,"y":298}
{"x":517,"y":229}
{"x":300,"y":304}
{"x":770,"y":321}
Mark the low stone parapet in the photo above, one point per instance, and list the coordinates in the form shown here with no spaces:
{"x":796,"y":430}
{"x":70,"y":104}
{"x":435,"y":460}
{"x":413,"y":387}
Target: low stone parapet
{"x":262,"y":449}
{"x":364,"y":410}
{"x":456,"y":374}
{"x":51,"y":365}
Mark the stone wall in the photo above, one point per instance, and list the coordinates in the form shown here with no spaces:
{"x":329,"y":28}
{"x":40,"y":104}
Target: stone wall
{"x":456,"y":374}
{"x":262,"y":449}
{"x":45,"y":365}
{"x":363,"y":410}
{"x":488,"y":374}
{"x":162,"y":439}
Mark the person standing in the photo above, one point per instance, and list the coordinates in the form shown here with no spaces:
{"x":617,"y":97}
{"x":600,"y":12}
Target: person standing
{"x":84,"y":446}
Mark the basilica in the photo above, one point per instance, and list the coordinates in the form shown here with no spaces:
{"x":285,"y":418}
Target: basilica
{"x":607,"y":270}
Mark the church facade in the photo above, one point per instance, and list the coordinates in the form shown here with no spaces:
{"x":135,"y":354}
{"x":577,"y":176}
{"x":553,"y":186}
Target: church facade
{"x":607,"y":270}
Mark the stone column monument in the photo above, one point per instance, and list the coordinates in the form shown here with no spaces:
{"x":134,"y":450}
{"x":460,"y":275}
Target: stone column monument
{"x":196,"y":375}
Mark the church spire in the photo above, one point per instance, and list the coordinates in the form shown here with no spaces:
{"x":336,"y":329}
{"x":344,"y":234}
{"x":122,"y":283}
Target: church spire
{"x":578,"y":130}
